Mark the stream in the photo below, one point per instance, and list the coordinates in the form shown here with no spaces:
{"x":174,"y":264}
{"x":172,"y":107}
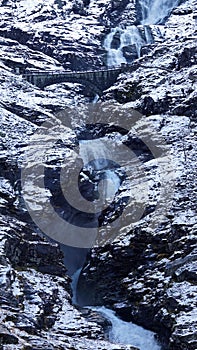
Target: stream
{"x":121,"y":332}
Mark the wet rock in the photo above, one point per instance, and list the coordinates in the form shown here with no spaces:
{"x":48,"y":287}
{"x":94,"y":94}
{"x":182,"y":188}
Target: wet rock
{"x":94,"y":316}
{"x":130,"y":53}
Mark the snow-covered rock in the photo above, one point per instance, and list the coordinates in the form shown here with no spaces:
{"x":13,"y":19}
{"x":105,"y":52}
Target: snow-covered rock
{"x":147,"y":276}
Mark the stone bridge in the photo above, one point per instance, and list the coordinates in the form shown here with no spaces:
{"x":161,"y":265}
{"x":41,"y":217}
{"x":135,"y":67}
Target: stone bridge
{"x":97,"y":80}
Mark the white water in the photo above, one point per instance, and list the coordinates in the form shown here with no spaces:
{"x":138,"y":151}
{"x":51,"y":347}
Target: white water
{"x":94,"y":150}
{"x":128,"y":36}
{"x":96,"y":98}
{"x":75,"y":278}
{"x":153,"y":12}
{"x":128,"y":333}
{"x":97,"y":151}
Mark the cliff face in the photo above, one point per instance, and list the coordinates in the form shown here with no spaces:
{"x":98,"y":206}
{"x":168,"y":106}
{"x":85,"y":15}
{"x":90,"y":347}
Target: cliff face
{"x":35,"y":296}
{"x":35,"y":292}
{"x":70,"y":32}
{"x":148,"y":276}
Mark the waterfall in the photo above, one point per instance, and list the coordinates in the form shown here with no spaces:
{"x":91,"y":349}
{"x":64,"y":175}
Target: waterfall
{"x":115,"y":56}
{"x":95,"y":155}
{"x":155,"y":11}
{"x":96,"y":98}
{"x":128,"y":333}
{"x":128,"y":36}
{"x":134,"y":37}
{"x":75,"y":278}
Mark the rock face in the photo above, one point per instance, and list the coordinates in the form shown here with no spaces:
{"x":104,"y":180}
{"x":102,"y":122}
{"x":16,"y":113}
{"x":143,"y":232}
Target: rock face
{"x":71,"y":32}
{"x":35,"y":293}
{"x":35,"y":297}
{"x":147,"y":276}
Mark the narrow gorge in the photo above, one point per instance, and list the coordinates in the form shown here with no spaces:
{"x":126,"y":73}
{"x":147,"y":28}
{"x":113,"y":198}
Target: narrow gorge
{"x":98,"y":186}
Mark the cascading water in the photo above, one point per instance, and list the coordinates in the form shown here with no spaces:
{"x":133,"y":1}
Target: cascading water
{"x":128,"y":36}
{"x":128,"y":333}
{"x":75,"y":278}
{"x":122,"y":46}
{"x":155,"y":11}
{"x":95,"y":155}
{"x":96,"y":150}
{"x":132,"y":38}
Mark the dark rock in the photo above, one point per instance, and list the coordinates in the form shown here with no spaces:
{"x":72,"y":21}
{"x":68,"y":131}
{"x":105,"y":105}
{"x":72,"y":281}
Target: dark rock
{"x":6,"y":337}
{"x":94,"y":316}
{"x":148,"y":105}
{"x":187,"y":57}
{"x":130,"y":53}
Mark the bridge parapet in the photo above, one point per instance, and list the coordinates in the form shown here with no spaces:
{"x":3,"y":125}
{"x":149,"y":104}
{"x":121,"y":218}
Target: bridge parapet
{"x":99,"y":80}
{"x":102,"y":78}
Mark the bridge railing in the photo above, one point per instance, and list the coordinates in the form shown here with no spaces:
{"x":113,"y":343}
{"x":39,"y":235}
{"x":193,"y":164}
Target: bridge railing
{"x":53,"y":72}
{"x":121,"y":68}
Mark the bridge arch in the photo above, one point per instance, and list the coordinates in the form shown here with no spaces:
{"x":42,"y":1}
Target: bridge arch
{"x":97,"y":80}
{"x":86,"y":82}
